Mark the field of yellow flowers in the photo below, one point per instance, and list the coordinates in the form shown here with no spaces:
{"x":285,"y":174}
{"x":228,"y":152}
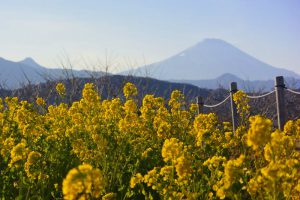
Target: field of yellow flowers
{"x":110,"y":149}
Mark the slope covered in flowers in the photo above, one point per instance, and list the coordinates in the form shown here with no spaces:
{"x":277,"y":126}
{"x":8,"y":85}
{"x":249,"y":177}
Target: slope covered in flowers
{"x":109,"y":149}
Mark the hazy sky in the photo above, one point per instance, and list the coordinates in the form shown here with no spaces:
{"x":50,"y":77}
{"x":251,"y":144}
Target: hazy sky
{"x":137,"y":32}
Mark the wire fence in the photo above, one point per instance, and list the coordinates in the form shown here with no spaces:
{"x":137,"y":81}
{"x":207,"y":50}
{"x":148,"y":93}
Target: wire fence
{"x":261,"y":96}
{"x":249,"y":96}
{"x":292,"y":91}
{"x":218,"y":104}
{"x":280,"y":101}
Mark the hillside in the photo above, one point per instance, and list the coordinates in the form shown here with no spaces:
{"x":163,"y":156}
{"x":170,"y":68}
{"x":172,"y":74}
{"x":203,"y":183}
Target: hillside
{"x":108,"y":87}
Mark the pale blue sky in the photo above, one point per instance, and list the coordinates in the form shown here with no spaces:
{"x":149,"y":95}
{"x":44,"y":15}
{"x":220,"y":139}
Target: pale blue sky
{"x":137,"y":32}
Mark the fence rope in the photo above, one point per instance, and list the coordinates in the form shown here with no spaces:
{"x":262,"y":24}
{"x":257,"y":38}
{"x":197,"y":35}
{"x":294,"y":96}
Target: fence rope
{"x":261,"y":96}
{"x":218,"y":104}
{"x":292,"y":91}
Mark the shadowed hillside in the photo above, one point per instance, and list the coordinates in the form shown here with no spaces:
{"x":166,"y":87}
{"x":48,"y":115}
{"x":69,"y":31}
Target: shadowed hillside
{"x":107,"y":86}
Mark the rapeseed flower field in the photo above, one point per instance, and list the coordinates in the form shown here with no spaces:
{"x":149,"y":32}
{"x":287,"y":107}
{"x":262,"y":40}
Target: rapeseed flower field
{"x":115,"y":149}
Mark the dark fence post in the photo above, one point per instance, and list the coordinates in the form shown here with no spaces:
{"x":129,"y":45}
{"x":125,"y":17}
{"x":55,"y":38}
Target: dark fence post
{"x":233,"y":89}
{"x":279,"y":88}
{"x":200,"y":103}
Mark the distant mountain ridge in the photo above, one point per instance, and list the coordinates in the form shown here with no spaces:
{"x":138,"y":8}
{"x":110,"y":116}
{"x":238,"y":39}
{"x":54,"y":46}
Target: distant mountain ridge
{"x":224,"y":81}
{"x":15,"y":74}
{"x":209,"y":64}
{"x":210,"y":59}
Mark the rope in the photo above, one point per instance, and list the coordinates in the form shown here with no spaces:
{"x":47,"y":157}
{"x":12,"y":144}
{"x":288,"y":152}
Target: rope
{"x":250,"y":97}
{"x":216,"y":105}
{"x":260,"y":96}
{"x":292,"y":91}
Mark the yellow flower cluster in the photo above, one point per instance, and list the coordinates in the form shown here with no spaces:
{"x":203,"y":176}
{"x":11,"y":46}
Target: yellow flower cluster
{"x":204,"y":126}
{"x":183,"y":167}
{"x":33,"y":165}
{"x":61,"y":89}
{"x":226,"y":174}
{"x":171,"y":149}
{"x":280,"y":177}
{"x":214,"y":162}
{"x":130,"y":90}
{"x":241,"y":100}
{"x":171,"y":179}
{"x":177,"y":100}
{"x":40,"y":101}
{"x":151,"y":178}
{"x":89,"y":94}
{"x":146,"y":148}
{"x":259,"y":132}
{"x":83,"y":182}
{"x":293,"y":128}
{"x":136,"y":179}
{"x":232,"y":171}
{"x":174,"y":151}
{"x":18,"y":155}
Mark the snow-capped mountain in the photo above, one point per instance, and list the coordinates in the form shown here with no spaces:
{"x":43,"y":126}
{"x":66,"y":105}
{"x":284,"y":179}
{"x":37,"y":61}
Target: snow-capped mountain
{"x":210,"y":59}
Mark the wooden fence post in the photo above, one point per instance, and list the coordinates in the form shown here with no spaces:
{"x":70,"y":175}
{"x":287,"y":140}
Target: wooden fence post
{"x":233,"y":89}
{"x":200,"y":103}
{"x":279,"y":88}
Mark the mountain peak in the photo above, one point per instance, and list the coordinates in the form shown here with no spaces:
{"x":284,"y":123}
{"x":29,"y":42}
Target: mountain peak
{"x":28,"y":59}
{"x":227,"y":75}
{"x":212,"y":58}
{"x":214,"y":44}
{"x":30,"y":62}
{"x":213,"y":40}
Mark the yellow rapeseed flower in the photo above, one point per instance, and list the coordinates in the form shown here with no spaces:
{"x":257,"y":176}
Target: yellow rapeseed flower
{"x":171,"y":149}
{"x":32,"y":164}
{"x":18,"y":154}
{"x":167,"y":172}
{"x":183,"y":167}
{"x":136,"y":179}
{"x":61,"y":89}
{"x":241,"y":100}
{"x":83,"y":182}
{"x":214,"y":162}
{"x":130,"y":90}
{"x":259,"y":132}
{"x":176,"y":101}
{"x":232,"y":171}
{"x":40,"y":101}
{"x":194,"y":108}
{"x":151,"y":177}
{"x":89,"y":94}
